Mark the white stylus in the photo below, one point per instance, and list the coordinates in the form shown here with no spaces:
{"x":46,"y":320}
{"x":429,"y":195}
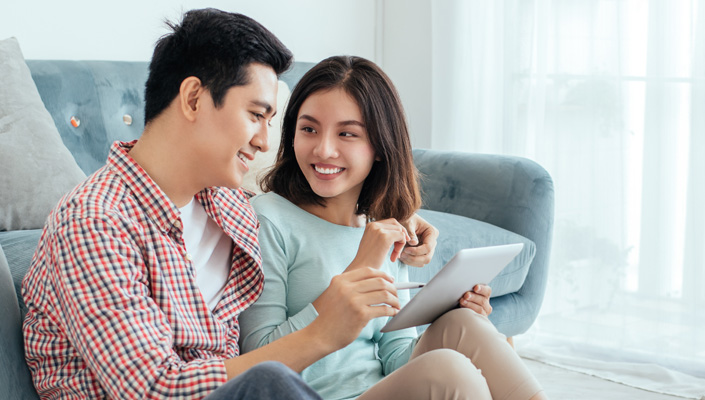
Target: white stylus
{"x":409,"y":285}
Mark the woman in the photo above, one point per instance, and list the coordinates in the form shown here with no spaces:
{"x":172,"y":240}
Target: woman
{"x":343,"y":179}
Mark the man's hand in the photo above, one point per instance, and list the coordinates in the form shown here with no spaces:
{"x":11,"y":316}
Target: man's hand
{"x":420,"y":247}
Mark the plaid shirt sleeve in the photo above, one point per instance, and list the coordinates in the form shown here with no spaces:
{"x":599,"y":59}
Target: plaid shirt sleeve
{"x":98,"y":274}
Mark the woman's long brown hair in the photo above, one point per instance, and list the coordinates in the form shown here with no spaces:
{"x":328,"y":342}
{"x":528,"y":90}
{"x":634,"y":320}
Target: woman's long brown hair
{"x":391,"y":188}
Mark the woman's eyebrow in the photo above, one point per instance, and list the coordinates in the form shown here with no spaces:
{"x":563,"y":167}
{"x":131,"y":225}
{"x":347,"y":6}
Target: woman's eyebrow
{"x":351,"y":122}
{"x":309,"y":118}
{"x":341,"y":123}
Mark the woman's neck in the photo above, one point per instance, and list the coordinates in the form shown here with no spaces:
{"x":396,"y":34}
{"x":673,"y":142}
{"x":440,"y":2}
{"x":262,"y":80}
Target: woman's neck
{"x":336,"y":213}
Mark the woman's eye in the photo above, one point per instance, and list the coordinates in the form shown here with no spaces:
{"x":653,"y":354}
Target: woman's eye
{"x":347,"y":134}
{"x":308,"y":129}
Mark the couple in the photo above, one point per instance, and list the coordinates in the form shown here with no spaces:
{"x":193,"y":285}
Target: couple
{"x":147,"y":276}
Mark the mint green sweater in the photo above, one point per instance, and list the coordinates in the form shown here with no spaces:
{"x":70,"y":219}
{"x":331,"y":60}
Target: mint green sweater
{"x":300,"y":255}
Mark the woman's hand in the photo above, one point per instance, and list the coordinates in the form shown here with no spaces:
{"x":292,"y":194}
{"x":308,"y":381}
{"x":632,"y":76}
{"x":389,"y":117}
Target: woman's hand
{"x":378,"y":238}
{"x":477,"y":300}
{"x":351,"y":300}
{"x":419,"y":249}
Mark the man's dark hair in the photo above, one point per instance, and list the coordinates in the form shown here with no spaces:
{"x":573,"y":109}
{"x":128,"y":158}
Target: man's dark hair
{"x":215,"y":46}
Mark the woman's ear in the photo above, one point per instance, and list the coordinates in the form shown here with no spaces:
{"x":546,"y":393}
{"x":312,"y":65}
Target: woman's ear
{"x":190,"y":97}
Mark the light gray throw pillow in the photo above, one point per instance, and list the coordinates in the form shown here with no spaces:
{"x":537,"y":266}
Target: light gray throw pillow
{"x":36,"y":169}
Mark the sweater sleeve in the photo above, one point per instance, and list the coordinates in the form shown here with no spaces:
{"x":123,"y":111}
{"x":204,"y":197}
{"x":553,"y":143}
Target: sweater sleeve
{"x":266,"y":320}
{"x":395,"y":347}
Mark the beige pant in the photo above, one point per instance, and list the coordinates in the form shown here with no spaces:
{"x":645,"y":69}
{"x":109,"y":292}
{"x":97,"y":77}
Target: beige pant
{"x":460,"y":356}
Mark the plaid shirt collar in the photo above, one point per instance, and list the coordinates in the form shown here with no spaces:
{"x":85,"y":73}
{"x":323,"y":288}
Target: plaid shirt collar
{"x":147,"y":193}
{"x":241,"y":226}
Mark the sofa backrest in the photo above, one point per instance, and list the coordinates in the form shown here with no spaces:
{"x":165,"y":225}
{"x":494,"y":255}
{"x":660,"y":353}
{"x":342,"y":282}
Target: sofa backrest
{"x":94,"y":103}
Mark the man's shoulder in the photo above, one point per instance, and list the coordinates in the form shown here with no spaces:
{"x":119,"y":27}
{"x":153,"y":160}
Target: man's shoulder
{"x":100,"y":195}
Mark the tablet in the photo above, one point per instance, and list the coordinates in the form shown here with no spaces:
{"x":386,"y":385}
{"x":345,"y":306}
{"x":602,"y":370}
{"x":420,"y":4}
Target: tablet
{"x":466,"y":269}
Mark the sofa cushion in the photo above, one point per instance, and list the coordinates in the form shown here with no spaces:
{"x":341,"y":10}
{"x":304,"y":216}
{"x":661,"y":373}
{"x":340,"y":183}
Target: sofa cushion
{"x":458,"y":232}
{"x":15,"y":379}
{"x":36,"y":169}
{"x":19,"y":247}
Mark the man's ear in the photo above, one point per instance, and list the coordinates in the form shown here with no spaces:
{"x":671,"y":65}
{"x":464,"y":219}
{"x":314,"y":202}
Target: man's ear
{"x":190,"y":97}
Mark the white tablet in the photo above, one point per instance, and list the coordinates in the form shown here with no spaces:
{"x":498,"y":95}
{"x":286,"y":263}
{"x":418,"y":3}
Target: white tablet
{"x":466,"y":269}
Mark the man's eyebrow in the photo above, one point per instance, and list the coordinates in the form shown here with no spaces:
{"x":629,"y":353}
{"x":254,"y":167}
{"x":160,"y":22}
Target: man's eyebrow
{"x":268,"y":107}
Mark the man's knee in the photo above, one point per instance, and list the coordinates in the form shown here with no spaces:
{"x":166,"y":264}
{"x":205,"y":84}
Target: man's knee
{"x":267,"y":380}
{"x":271,"y":370}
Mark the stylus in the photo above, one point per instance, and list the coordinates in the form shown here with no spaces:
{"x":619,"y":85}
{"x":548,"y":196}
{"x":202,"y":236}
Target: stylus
{"x":409,"y":285}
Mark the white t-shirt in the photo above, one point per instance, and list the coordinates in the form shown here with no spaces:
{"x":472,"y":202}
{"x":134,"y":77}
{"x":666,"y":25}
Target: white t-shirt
{"x":209,"y":249}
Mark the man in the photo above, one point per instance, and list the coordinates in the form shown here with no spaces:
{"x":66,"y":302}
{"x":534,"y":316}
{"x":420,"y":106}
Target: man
{"x":143,"y":269}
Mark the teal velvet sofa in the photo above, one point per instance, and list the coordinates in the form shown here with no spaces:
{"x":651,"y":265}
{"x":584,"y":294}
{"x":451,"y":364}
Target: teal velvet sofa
{"x":474,"y":199}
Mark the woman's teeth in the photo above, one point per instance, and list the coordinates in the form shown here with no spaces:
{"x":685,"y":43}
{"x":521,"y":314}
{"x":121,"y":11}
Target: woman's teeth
{"x":327,"y":171}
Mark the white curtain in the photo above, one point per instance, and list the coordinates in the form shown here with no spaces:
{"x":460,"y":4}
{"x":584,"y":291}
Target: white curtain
{"x":609,"y":96}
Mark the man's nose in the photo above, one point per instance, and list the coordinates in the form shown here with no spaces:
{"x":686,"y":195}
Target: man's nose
{"x":261,"y":139}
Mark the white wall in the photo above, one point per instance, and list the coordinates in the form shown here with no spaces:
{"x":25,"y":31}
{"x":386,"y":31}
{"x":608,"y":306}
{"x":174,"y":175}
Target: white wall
{"x":394,"y":33}
{"x":127,"y":29}
{"x":406,"y":57}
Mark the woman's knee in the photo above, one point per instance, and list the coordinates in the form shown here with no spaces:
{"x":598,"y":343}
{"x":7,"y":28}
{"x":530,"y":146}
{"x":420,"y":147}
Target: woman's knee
{"x":453,"y":373}
{"x":465,"y":316}
{"x":446,"y":366}
{"x":467,"y":320}
{"x":446,"y":359}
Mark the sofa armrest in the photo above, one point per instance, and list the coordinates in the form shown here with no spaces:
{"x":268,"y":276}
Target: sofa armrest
{"x":510,"y":192}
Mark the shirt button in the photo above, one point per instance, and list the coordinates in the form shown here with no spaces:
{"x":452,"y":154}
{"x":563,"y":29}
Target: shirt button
{"x":177,"y":224}
{"x":188,"y":257}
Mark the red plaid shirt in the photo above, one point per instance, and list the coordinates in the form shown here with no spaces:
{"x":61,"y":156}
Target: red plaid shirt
{"x":113,"y":306}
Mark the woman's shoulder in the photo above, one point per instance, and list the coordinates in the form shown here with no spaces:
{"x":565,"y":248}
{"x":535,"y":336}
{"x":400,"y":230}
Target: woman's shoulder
{"x":274,"y":207}
{"x":270,"y":202}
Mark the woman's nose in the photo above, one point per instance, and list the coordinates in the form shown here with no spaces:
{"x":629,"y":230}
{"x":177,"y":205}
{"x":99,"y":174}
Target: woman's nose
{"x":325,"y":148}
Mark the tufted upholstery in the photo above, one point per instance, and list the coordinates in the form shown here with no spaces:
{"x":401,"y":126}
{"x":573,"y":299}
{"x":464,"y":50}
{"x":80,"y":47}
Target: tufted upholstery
{"x":99,"y":94}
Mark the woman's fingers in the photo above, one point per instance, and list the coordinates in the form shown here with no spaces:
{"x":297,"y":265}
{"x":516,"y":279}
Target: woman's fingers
{"x":374,"y":287}
{"x":477,"y":300}
{"x":420,"y":252}
{"x":378,"y":238}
